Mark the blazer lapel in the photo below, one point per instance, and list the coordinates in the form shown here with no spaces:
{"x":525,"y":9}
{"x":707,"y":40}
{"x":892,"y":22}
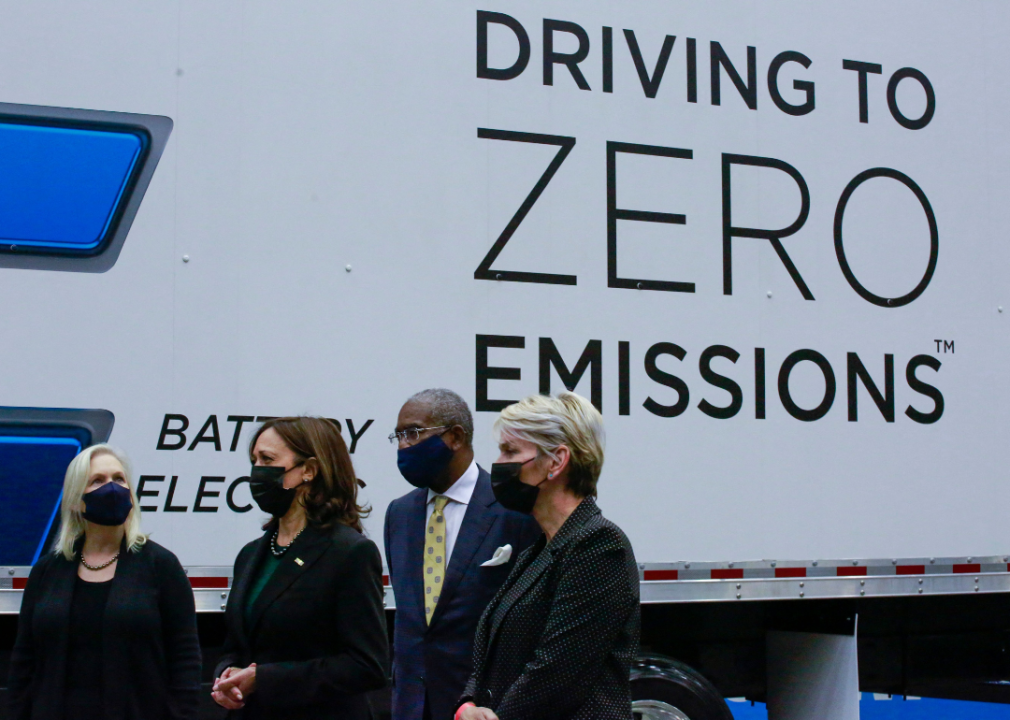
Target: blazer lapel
{"x":240,"y":588}
{"x":59,"y":595}
{"x":308,"y":548}
{"x":477,"y":522}
{"x":527,"y":578}
{"x":410,"y":532}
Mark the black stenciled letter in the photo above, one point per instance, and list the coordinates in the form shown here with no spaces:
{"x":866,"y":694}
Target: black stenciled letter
{"x":230,"y":496}
{"x":862,"y":68}
{"x":829,"y":385}
{"x":483,"y":271}
{"x":169,"y":507}
{"x":591,"y":358}
{"x":214,"y":435}
{"x":608,"y":59}
{"x":142,"y":492}
{"x":239,"y":420}
{"x":720,"y":381}
{"x":773,"y":236}
{"x":804,"y":86}
{"x":719,"y":59}
{"x":483,"y":71}
{"x":569,"y":60}
{"x":179,"y":432}
{"x":892,"y":99}
{"x":934,"y":237}
{"x":925,"y":389}
{"x":665,"y":378}
{"x":623,"y":377}
{"x":885,"y":402}
{"x":615,"y":213}
{"x":650,"y":85}
{"x":485,"y":373}
{"x":355,"y":436}
{"x":202,"y":492}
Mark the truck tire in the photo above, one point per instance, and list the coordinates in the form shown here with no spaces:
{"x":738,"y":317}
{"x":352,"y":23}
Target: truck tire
{"x":665,"y":689}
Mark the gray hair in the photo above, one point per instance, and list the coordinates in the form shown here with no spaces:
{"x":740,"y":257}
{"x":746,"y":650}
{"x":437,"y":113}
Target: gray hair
{"x":446,"y":408}
{"x":564,"y":419}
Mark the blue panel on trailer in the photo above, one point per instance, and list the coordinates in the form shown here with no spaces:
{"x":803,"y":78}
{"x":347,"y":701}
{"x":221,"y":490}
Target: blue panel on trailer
{"x":31,"y":483}
{"x":60,"y":187}
{"x":898,"y":708}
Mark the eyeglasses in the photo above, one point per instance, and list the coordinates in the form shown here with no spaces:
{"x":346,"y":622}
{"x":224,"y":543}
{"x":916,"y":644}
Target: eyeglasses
{"x":411,"y":435}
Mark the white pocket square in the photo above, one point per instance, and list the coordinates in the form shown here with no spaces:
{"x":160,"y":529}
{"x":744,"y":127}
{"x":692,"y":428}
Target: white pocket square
{"x":500,"y":557}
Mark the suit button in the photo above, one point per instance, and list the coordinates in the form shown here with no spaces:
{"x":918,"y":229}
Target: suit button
{"x":421,"y":678}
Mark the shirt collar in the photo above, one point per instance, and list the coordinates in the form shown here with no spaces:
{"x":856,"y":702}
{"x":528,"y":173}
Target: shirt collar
{"x":461,"y":490}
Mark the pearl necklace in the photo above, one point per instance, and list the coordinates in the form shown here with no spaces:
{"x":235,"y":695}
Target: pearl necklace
{"x":276,"y":549}
{"x":98,"y":567}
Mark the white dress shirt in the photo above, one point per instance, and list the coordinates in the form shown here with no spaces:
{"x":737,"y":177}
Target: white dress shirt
{"x":459,"y":497}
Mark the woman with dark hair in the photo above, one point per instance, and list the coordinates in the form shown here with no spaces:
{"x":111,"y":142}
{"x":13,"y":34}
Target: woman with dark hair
{"x":306,"y":627}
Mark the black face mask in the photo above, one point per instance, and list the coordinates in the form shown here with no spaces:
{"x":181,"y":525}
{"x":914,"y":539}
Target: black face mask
{"x":510,"y":491}
{"x":109,"y":505}
{"x":267,"y":486}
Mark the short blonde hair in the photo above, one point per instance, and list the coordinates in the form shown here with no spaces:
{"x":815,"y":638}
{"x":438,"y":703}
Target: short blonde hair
{"x":74,"y":482}
{"x":548,"y":422}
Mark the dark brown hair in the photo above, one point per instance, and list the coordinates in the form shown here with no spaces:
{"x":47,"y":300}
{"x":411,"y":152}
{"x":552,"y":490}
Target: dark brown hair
{"x":333,"y":493}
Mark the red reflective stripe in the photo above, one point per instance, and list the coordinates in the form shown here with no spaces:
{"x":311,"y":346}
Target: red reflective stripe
{"x":385,"y":579}
{"x":727,"y":574}
{"x":968,"y":568}
{"x":19,"y":583}
{"x":209,"y":582}
{"x":790,"y":572}
{"x":661,"y":574}
{"x":851,"y":571}
{"x":910,"y":570}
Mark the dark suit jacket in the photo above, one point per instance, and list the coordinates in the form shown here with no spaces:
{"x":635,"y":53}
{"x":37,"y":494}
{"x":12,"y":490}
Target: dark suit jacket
{"x":436,"y":659}
{"x":151,"y":666}
{"x":317,"y":631}
{"x":558,"y":639}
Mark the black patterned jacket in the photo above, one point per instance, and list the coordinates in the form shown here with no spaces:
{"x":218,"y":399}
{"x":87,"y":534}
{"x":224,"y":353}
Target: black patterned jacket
{"x":558,"y":639}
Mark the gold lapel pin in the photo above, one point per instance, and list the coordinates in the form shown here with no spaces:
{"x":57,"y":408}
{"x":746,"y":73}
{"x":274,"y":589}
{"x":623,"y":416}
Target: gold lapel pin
{"x":299,"y":561}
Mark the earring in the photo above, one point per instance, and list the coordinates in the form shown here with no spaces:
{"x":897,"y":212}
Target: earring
{"x":550,"y":475}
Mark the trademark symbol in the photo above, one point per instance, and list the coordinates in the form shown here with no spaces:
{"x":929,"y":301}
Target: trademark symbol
{"x":944,"y":346}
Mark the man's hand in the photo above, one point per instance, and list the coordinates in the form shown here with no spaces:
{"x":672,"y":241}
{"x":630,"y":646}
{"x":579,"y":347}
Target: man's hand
{"x":477,"y":713}
{"x":234,"y":686}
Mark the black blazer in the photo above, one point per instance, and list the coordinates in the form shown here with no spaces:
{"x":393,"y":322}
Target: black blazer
{"x":151,"y":666}
{"x":318,"y":629}
{"x":558,"y":639}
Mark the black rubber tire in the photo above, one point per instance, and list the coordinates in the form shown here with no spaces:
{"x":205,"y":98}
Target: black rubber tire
{"x":679,"y":685}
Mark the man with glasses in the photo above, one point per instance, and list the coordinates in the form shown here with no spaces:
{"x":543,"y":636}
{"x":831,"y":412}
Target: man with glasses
{"x":449,"y":546}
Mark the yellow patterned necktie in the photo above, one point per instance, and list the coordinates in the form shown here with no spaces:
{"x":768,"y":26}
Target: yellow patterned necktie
{"x":434,"y":557}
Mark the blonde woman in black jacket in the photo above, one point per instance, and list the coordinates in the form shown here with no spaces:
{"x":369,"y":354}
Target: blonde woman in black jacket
{"x":107,"y":629}
{"x":558,"y":639}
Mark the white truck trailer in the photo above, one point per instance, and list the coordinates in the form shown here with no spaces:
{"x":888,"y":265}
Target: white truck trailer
{"x":768,"y":240}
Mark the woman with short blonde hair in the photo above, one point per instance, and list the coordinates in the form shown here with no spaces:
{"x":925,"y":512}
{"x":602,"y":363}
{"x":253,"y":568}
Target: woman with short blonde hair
{"x":108,"y":623}
{"x":558,"y":639}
